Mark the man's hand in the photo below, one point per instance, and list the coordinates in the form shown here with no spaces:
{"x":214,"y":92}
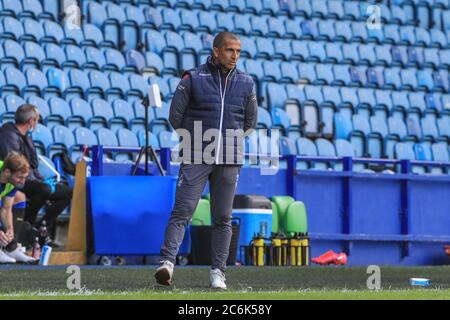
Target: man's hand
{"x":10,"y":234}
{"x":4,"y":239}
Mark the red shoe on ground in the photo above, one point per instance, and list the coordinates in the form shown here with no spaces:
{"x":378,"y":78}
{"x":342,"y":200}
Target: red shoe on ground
{"x":341,"y":259}
{"x":327,"y":258}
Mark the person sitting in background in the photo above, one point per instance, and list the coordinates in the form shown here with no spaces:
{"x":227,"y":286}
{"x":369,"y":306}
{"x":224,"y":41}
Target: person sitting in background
{"x":13,"y":173}
{"x":55,"y":197}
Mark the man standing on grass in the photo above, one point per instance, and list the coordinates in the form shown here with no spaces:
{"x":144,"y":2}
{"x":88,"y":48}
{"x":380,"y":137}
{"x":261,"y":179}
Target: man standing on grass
{"x":215,"y":97}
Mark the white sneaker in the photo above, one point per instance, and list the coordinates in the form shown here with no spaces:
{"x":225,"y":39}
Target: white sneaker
{"x":164,"y":273}
{"x":4,"y":258}
{"x":19,"y":256}
{"x":217,"y":279}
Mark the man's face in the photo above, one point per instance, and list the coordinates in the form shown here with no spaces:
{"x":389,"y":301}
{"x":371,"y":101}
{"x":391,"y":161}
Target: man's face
{"x":33,"y":122}
{"x":228,"y":54}
{"x":17,"y":179}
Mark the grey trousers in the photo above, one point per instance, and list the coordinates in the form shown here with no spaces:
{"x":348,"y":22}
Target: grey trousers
{"x":192,"y":179}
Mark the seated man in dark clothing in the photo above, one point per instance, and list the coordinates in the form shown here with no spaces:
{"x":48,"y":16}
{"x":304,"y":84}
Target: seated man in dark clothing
{"x":16,"y":137}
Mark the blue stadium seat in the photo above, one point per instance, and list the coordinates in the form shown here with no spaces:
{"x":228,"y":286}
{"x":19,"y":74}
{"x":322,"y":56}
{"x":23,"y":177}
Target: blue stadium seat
{"x":34,"y":56}
{"x":367,"y":54}
{"x":334,"y":52}
{"x":349,"y":101}
{"x":280,"y":119}
{"x":265,"y":48}
{"x":126,"y":138}
{"x":237,"y":5}
{"x":15,"y":81}
{"x":416,"y":102}
{"x":32,"y":30}
{"x":260,"y":27}
{"x":397,"y":131}
{"x":54,"y":53}
{"x":400,"y":103}
{"x":292,"y":27}
{"x":308,"y":30}
{"x":248,"y":47}
{"x":350,"y":53}
{"x":56,"y":82}
{"x":383,"y":55}
{"x":188,"y":20}
{"x":75,"y":57}
{"x":102,"y":114}
{"x":429,"y":128}
{"x":139,"y":86}
{"x":99,"y":85}
{"x":358,"y":136}
{"x":407,"y":35}
{"x":326,"y":149}
{"x":438,"y":38}
{"x":375,"y":77}
{"x":96,"y":13}
{"x":444,"y":56}
{"x":171,"y":19}
{"x":63,"y":140}
{"x":425,"y":80}
{"x":42,"y":139}
{"x":119,"y":86}
{"x":13,"y":54}
{"x":167,"y":139}
{"x":53,"y":32}
{"x":276,"y":95}
{"x":81,"y":113}
{"x":83,"y":137}
{"x":343,"y":126}
{"x":114,"y":60}
{"x":335,"y":9}
{"x":392,"y":78}
{"x":51,"y":9}
{"x":207,"y":22}
{"x":422,"y":37}
{"x":12,"y":102}
{"x":359,"y":32}
{"x":224,"y":22}
{"x":31,"y":8}
{"x":326,"y":30}
{"x":405,"y":151}
{"x":431,"y":57}
{"x":78,"y":84}
{"x":154,"y":64}
{"x":289,"y":72}
{"x":36,"y":81}
{"x":305,"y":147}
{"x":441,"y":80}
{"x":440,"y":152}
{"x":94,"y":58}
{"x":343,"y":31}
{"x":345,"y":149}
{"x":316,"y":52}
{"x":153,"y":139}
{"x":277,"y":28}
{"x":341,"y":74}
{"x":74,"y":36}
{"x":375,"y":140}
{"x":299,"y":50}
{"x":123,"y":110}
{"x":152,"y":17}
{"x":324,"y":74}
{"x":107,"y":137}
{"x":306,"y":72}
{"x":253,"y":6}
{"x":93,"y":36}
{"x":59,"y":112}
{"x":12,"y":29}
{"x":242,"y":25}
{"x":444,"y":127}
{"x":272,"y":70}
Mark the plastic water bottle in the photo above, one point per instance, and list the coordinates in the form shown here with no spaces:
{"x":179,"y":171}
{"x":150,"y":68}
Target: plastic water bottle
{"x":36,"y":253}
{"x":45,"y":256}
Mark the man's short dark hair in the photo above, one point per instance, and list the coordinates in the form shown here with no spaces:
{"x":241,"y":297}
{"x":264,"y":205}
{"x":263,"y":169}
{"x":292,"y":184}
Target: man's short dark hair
{"x":219,"y":39}
{"x":26,"y":112}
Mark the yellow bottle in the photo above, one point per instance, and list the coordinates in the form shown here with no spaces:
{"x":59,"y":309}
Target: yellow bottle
{"x":258,"y":252}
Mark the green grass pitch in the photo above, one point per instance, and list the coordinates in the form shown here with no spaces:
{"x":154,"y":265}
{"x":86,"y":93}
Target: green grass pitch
{"x":266,"y":283}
